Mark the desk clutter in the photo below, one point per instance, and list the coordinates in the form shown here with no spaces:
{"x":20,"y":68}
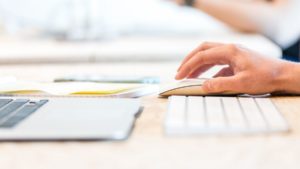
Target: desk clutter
{"x":190,"y":110}
{"x":29,"y":112}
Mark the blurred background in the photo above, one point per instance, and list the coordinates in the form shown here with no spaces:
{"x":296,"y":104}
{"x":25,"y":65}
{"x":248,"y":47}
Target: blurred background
{"x":101,"y":19}
{"x":133,"y":30}
{"x":100,"y":30}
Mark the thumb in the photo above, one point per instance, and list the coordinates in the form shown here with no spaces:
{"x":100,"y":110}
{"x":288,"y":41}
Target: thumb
{"x":221,"y":84}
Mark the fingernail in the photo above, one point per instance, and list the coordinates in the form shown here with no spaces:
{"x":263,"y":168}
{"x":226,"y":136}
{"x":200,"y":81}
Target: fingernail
{"x":177,"y":77}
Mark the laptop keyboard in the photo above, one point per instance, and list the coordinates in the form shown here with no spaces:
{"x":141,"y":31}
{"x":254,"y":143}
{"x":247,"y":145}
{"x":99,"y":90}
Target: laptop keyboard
{"x":12,"y":112}
{"x":222,"y":115}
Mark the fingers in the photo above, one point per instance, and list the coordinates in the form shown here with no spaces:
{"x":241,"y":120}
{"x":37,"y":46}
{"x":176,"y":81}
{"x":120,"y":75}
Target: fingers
{"x":202,"y":47}
{"x":199,"y":71}
{"x":218,"y":56}
{"x":223,"y":84}
{"x":226,"y":71}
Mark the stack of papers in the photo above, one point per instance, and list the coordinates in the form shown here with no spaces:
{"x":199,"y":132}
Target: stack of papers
{"x":76,"y":89}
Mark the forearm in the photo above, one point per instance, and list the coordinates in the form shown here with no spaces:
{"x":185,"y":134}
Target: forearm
{"x":253,"y":16}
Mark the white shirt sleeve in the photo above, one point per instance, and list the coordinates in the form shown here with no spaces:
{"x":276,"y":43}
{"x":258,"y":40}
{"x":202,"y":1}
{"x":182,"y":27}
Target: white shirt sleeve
{"x":284,"y":27}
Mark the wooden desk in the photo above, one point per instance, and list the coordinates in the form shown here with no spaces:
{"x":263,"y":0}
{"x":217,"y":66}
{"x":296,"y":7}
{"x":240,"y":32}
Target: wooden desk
{"x":148,"y":147}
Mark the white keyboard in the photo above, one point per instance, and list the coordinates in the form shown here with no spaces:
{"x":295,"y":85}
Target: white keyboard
{"x":222,"y":115}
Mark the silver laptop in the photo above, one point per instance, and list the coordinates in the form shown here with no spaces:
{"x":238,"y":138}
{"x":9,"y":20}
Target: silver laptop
{"x":66,"y":118}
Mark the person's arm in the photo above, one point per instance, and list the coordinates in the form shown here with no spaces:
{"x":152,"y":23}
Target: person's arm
{"x":273,"y":19}
{"x":247,"y":72}
{"x":252,"y":16}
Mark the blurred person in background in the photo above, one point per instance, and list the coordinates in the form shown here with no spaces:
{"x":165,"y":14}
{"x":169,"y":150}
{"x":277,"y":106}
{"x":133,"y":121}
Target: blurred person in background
{"x":102,"y":19}
{"x":278,"y":20}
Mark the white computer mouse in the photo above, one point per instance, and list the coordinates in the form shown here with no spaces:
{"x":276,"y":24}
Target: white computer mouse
{"x":188,"y":87}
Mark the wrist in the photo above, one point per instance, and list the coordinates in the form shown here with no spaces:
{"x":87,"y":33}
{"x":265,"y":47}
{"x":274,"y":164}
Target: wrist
{"x":288,"y":78}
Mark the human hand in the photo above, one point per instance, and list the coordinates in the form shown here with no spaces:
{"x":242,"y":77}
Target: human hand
{"x":247,"y":71}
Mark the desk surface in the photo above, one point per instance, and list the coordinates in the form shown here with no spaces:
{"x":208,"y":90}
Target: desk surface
{"x":148,"y":147}
{"x":133,"y":48}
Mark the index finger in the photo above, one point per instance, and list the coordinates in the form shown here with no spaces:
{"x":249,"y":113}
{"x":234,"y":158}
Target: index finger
{"x":202,"y":47}
{"x":216,"y":56}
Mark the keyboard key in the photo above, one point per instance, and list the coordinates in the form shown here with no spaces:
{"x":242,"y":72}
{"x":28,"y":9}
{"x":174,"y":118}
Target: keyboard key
{"x":273,"y":116}
{"x":222,"y":115}
{"x":13,"y":106}
{"x":215,"y":116}
{"x":234,"y":114}
{"x":4,"y":102}
{"x":176,"y":116}
{"x":22,"y":113}
{"x":196,"y":117}
{"x":253,"y":115}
